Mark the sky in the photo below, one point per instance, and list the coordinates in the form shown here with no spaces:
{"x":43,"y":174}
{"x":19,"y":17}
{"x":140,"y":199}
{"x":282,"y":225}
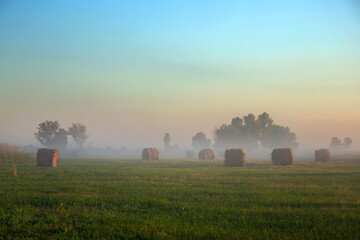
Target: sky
{"x":133,"y":70}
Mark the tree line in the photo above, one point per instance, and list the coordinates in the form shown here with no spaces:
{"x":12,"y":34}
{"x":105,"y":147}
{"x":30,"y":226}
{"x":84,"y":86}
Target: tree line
{"x":253,"y":133}
{"x":50,"y":134}
{"x":337,"y":144}
{"x":249,"y":132}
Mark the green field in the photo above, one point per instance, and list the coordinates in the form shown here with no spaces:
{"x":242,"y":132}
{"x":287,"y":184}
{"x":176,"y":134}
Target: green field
{"x":180,"y":199}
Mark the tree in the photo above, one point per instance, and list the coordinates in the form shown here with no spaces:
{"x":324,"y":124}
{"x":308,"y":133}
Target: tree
{"x":199,"y":141}
{"x":78,"y":133}
{"x":167,"y":141}
{"x":347,"y":142}
{"x":264,"y":121}
{"x":335,"y":143}
{"x":249,"y":132}
{"x":51,"y":135}
{"x":278,"y":136}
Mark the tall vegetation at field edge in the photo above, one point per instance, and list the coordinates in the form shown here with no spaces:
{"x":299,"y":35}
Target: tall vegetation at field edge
{"x":12,"y":155}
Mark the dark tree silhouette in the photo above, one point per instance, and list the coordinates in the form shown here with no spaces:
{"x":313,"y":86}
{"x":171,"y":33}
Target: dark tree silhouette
{"x":51,"y":135}
{"x":264,"y":121}
{"x":199,"y":141}
{"x":335,"y":143}
{"x":78,"y":132}
{"x":250,"y":131}
{"x":167,"y":141}
{"x":347,"y":142}
{"x":278,"y":136}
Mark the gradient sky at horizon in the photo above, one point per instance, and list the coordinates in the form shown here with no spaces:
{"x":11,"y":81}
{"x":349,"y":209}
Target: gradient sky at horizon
{"x":133,"y":70}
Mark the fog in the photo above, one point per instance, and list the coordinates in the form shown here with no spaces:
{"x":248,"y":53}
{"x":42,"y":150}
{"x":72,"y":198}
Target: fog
{"x":106,"y":141}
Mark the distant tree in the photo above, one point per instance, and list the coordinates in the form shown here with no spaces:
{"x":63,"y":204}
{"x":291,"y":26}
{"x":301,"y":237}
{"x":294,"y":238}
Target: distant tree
{"x":51,"y":135}
{"x":78,"y":133}
{"x":347,"y":142}
{"x":199,"y":141}
{"x":278,"y":136}
{"x":264,"y":121}
{"x":167,"y":141}
{"x":249,"y":131}
{"x":335,"y":143}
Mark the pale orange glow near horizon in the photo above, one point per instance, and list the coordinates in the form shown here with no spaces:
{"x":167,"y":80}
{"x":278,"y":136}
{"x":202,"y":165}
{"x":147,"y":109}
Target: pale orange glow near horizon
{"x":141,"y":120}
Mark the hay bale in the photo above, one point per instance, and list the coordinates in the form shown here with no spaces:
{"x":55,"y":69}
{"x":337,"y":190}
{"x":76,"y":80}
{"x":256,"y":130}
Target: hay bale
{"x":146,"y":154}
{"x":207,"y":154}
{"x":190,"y":154}
{"x":322,"y":155}
{"x":282,"y":156}
{"x":155,"y":154}
{"x":46,"y":157}
{"x":235,"y":157}
{"x":150,"y":154}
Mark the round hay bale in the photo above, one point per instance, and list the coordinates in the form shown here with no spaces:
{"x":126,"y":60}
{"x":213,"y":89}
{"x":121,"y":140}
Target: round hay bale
{"x":154,"y":153}
{"x":322,"y":155}
{"x":190,"y":154}
{"x":235,"y":157}
{"x":282,"y":156}
{"x":150,"y":154}
{"x":46,"y":157}
{"x":207,"y":154}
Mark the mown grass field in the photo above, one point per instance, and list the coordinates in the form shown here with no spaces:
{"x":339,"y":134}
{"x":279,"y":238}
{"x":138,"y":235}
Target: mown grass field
{"x":180,"y":199}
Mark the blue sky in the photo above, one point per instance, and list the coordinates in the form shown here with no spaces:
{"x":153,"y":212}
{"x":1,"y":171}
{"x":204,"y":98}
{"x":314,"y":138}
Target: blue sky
{"x":190,"y":60}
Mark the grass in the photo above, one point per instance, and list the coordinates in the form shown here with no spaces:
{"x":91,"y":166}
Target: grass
{"x":180,"y":199}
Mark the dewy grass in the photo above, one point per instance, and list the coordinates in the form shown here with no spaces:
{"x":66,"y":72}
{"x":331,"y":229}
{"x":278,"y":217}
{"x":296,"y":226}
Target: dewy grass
{"x":183,"y":199}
